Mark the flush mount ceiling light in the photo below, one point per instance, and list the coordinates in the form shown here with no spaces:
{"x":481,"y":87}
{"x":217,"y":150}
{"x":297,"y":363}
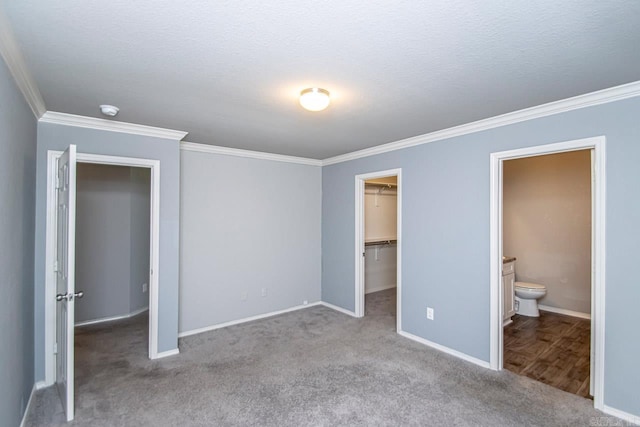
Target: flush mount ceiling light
{"x":314,"y":99}
{"x":109,"y":110}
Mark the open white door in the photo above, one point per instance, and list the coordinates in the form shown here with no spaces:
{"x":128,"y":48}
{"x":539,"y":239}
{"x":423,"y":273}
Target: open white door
{"x":592,"y":358}
{"x":65,"y":276}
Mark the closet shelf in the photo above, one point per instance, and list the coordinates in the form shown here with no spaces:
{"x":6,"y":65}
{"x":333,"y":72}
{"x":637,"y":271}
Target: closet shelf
{"x":380,"y":242}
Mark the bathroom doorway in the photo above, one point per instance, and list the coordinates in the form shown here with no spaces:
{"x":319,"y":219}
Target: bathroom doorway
{"x":546,"y":229}
{"x":378,"y":249}
{"x":593,"y":149}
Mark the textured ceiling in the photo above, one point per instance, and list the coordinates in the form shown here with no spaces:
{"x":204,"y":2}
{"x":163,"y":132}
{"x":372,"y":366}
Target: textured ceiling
{"x":229,"y":72}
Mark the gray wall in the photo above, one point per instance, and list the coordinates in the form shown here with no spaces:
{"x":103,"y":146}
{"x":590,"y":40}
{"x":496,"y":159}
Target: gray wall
{"x":140,"y":187}
{"x":445,"y":242}
{"x":547,"y":225}
{"x":247,"y":224}
{"x":112,"y":240}
{"x":58,"y":137}
{"x":17,"y":218}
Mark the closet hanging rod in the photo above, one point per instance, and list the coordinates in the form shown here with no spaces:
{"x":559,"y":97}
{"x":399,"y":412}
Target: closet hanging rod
{"x":381,"y":184}
{"x":381,"y":242}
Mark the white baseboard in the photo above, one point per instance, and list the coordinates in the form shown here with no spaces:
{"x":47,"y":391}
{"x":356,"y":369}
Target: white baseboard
{"x":37,"y":386}
{"x":167,"y":353}
{"x":244,"y":320}
{"x":447,"y":350}
{"x":111,"y":319}
{"x":565,"y":312}
{"x":633,"y":419}
{"x":336,"y":308}
{"x":380,"y":288}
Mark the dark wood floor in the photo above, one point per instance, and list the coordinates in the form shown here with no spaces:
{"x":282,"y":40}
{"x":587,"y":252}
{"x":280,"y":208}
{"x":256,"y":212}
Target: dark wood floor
{"x":552,"y":348}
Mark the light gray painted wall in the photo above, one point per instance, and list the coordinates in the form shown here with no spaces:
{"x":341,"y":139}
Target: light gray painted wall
{"x":17,"y":218}
{"x":247,"y":224}
{"x":140,"y":186}
{"x":58,"y":137}
{"x":445,"y":242}
{"x":112,"y":240}
{"x":547,"y":225}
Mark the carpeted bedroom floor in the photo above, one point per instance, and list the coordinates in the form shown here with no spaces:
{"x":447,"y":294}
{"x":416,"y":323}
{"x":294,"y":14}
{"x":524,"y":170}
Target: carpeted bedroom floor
{"x":315,"y":367}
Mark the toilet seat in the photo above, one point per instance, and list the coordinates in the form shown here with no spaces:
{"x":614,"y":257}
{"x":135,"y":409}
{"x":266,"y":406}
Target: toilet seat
{"x":531,"y":286}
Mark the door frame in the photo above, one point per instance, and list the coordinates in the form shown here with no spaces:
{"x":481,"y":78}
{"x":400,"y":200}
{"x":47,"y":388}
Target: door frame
{"x":598,"y":197}
{"x":359,"y":241}
{"x":50,"y":241}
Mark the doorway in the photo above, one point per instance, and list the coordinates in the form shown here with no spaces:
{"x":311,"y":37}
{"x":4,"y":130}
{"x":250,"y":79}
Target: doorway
{"x":597,"y":148}
{"x":378,"y":227}
{"x":112,"y":242}
{"x":547,"y":206}
{"x":65,"y":352}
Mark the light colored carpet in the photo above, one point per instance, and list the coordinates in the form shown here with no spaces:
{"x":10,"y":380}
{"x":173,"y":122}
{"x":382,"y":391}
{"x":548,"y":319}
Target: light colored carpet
{"x":310,"y":367}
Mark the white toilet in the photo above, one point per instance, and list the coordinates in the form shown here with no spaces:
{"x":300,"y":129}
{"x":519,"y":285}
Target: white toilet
{"x":527,"y":296}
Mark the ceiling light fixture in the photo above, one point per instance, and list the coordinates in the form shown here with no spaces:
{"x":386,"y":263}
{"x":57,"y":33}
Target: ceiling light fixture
{"x":314,"y":99}
{"x":109,"y":110}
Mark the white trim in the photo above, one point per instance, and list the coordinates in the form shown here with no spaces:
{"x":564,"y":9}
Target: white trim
{"x":244,"y":320}
{"x":380,"y":288}
{"x":597,"y":144}
{"x":633,"y":419}
{"x":17,"y":66}
{"x":604,"y":96}
{"x":111,"y":319}
{"x":340,"y":309}
{"x":444,"y":349}
{"x":227,"y":151}
{"x":360,"y":238}
{"x":110,"y":125}
{"x":564,"y":311}
{"x":167,"y":353}
{"x":154,"y":249}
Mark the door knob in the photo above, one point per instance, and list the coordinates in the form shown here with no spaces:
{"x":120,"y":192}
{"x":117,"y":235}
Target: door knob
{"x":69,"y":297}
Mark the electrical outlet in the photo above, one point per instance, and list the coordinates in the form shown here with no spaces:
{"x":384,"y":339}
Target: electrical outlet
{"x":305,"y":302}
{"x":244,"y":296}
{"x":429,"y":313}
{"x":264,"y":292}
{"x":145,"y":287}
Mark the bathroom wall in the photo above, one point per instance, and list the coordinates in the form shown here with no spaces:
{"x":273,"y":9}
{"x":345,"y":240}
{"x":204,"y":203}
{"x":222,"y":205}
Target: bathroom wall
{"x":112,"y":240}
{"x":547,"y":225}
{"x":380,"y":212}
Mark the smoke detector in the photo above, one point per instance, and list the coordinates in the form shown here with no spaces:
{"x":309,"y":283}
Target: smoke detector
{"x":109,"y":110}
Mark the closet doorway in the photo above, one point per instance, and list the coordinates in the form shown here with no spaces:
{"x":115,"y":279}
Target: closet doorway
{"x":378,"y":248}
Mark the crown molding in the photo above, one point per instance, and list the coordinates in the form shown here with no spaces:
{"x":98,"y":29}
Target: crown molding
{"x":226,"y":151}
{"x":18,"y":68}
{"x":110,"y":125}
{"x":604,"y":96}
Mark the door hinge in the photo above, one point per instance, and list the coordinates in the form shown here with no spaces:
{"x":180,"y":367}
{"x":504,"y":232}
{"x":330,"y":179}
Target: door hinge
{"x":55,"y":348}
{"x":55,"y":266}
